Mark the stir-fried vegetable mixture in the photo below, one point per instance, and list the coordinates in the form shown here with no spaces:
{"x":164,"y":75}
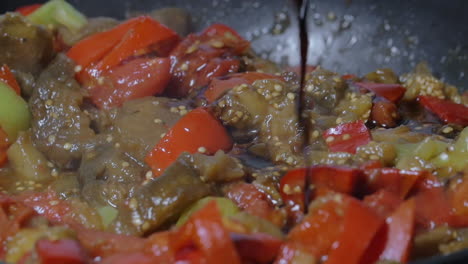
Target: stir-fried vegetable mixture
{"x":126,"y":142}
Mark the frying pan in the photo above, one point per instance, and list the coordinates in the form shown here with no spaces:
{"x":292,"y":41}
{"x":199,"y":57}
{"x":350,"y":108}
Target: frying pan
{"x":348,"y":36}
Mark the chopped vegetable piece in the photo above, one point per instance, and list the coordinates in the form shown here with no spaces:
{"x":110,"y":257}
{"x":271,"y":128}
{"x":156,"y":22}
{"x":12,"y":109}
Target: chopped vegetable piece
{"x":358,"y":219}
{"x":383,"y":202}
{"x":227,"y":208}
{"x":220,"y":85}
{"x":432,"y":205}
{"x":58,"y":12}
{"x":399,"y":182}
{"x":336,"y":179}
{"x":141,"y":39}
{"x":292,"y":190}
{"x":256,"y":248}
{"x":321,"y":228}
{"x":347,"y":137}
{"x":28,"y":9}
{"x":7,"y":77}
{"x":95,"y":47}
{"x":14,"y":112}
{"x":105,"y":244}
{"x":136,"y":79}
{"x":446,"y":110}
{"x":205,"y":231}
{"x":201,"y":57}
{"x":63,"y":251}
{"x":108,"y":214}
{"x":400,"y":233}
{"x":249,"y":198}
{"x":391,"y":92}
{"x":196,"y":131}
{"x":4,"y":143}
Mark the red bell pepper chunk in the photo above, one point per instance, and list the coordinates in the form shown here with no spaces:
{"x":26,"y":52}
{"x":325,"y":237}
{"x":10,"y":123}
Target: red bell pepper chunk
{"x":7,"y":77}
{"x":136,"y":41}
{"x":228,"y":36}
{"x":4,"y":144}
{"x":28,"y":9}
{"x":11,"y":220}
{"x":432,"y":204}
{"x":201,"y":57}
{"x":249,"y":198}
{"x":65,"y":251}
{"x":325,"y":179}
{"x":400,"y":233}
{"x":219,"y":86}
{"x":383,"y":202}
{"x":446,"y":110}
{"x":347,"y":137}
{"x":391,"y":92}
{"x":337,"y":179}
{"x":136,"y":79}
{"x":205,"y":232}
{"x":105,"y":244}
{"x":130,"y":258}
{"x":321,"y":228}
{"x":256,"y":248}
{"x":121,"y":42}
{"x":399,"y":182}
{"x":197,"y":129}
{"x":292,"y":190}
{"x":358,"y":220}
{"x":459,"y":197}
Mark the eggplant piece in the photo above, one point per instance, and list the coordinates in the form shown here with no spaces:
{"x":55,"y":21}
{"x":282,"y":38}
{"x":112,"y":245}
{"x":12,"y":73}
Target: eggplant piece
{"x":268,"y":107}
{"x":61,"y":130}
{"x":25,"y":47}
{"x":162,"y":199}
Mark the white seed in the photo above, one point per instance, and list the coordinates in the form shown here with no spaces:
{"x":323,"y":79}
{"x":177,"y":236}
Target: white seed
{"x":149,"y":175}
{"x":67,"y":146}
{"x":51,"y":139}
{"x":78,"y":68}
{"x":202,"y":149}
{"x":346,"y":136}
{"x":329,"y":139}
{"x":447,"y":130}
{"x":184,"y":67}
{"x":291,"y":96}
{"x":278,"y":87}
{"x":157,"y":121}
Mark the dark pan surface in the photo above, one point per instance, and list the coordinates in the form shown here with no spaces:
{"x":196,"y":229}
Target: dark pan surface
{"x":358,"y":36}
